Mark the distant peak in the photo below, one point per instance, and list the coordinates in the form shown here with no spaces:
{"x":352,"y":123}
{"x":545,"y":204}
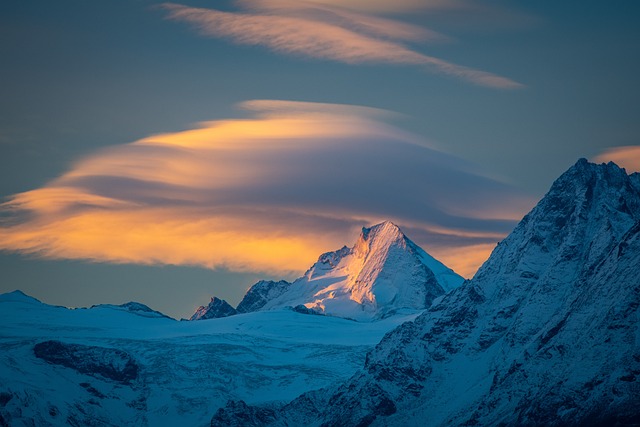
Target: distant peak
{"x":18,"y":296}
{"x":18,"y":293}
{"x":215,"y":309}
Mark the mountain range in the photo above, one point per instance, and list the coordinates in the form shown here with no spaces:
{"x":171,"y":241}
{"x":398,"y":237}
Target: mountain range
{"x":546,"y":333}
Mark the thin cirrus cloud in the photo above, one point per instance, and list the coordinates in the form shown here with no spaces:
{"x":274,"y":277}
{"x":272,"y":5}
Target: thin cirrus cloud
{"x":325,"y":31}
{"x":627,"y":157}
{"x":398,"y":6}
{"x":266,"y":193}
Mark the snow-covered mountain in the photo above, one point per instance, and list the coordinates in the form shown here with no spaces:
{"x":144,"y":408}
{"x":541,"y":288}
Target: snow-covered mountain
{"x":546,"y":333}
{"x":117,"y":365}
{"x":382,"y":274}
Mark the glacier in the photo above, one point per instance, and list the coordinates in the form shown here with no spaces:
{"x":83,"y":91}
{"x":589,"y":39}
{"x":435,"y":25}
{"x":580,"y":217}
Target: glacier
{"x":61,"y":366}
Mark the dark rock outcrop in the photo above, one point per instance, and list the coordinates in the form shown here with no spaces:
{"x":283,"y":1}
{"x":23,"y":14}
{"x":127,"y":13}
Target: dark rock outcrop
{"x":217,"y":308}
{"x":108,"y":363}
{"x":261,"y":293}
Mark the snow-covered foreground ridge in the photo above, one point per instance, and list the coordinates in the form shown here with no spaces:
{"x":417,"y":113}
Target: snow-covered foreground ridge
{"x":546,"y":333}
{"x":381,"y":275}
{"x":123,"y":365}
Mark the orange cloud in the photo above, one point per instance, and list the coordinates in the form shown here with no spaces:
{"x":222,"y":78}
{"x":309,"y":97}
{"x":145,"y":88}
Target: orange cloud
{"x":264,"y":194}
{"x":325,"y":31}
{"x":464,"y":260}
{"x":627,"y":157}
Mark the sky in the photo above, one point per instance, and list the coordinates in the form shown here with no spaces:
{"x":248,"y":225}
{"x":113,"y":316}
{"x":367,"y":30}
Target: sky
{"x":169,"y":152}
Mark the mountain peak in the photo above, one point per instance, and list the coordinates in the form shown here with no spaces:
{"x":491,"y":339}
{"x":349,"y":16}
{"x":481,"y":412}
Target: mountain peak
{"x":587,"y":209}
{"x":382,"y":273}
{"x":18,"y":296}
{"x":584,"y":173}
{"x":217,"y":308}
{"x":379,"y":237}
{"x":386,"y":230}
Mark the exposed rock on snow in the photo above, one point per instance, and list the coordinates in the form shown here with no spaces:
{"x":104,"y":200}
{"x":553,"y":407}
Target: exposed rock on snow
{"x":217,"y":308}
{"x":260,"y":294}
{"x":110,"y":363}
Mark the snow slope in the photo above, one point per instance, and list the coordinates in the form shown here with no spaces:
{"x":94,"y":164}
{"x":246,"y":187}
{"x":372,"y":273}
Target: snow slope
{"x":62,"y":366}
{"x":546,"y":333}
{"x":382,"y":274}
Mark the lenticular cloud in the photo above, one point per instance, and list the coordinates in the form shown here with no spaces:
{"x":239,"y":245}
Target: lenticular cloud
{"x":266,"y":193}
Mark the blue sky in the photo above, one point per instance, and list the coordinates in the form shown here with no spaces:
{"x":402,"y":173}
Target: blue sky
{"x":473,"y":108}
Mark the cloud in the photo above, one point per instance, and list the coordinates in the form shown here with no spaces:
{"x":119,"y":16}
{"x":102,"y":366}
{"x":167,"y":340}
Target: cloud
{"x":627,"y":157}
{"x":325,"y":31}
{"x":340,"y":15}
{"x":267,"y":193}
{"x":398,"y":6}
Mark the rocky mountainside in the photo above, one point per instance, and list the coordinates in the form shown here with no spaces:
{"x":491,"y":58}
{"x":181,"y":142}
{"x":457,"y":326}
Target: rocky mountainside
{"x":260,"y":294}
{"x":215,"y":309}
{"x":546,"y":333}
{"x":382,"y":274}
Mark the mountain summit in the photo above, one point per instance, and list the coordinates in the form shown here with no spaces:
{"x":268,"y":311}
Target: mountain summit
{"x":382,"y":274}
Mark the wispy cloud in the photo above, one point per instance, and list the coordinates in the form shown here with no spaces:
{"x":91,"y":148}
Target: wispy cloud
{"x":398,"y":6}
{"x":627,"y":157}
{"x":325,"y":31}
{"x":340,"y":15}
{"x":268,"y":193}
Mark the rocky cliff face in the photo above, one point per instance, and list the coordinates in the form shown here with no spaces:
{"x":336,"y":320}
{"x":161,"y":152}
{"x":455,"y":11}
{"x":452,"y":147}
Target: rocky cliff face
{"x":546,"y":333}
{"x":261,"y":293}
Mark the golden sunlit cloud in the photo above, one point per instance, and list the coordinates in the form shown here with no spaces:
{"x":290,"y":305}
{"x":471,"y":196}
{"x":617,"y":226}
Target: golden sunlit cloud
{"x":263,"y":194}
{"x":464,"y":260}
{"x":325,"y":31}
{"x":627,"y":157}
